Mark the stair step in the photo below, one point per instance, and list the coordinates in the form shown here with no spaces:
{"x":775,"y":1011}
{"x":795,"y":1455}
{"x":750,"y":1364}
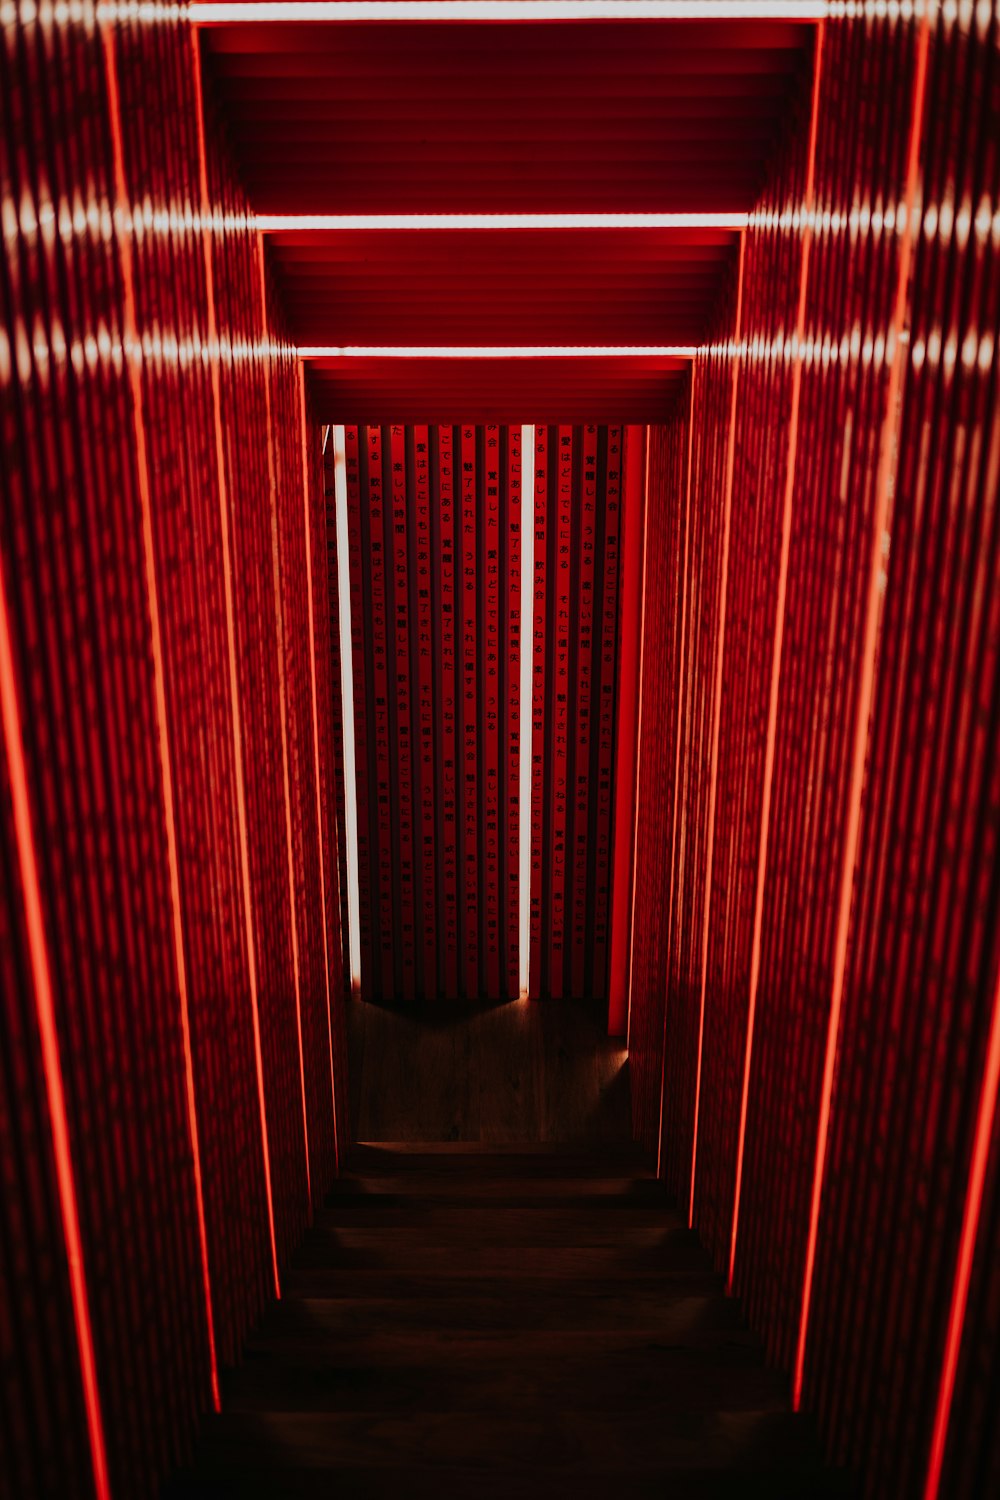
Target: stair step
{"x":453,"y":1191}
{"x":557,"y":1441}
{"x":341,"y":1281}
{"x":506,"y":1373}
{"x":643,"y":1308}
{"x":513,"y":1249}
{"x":464,"y":1321}
{"x":487,"y":1219}
{"x":462,"y":1482}
{"x":470,"y":1159}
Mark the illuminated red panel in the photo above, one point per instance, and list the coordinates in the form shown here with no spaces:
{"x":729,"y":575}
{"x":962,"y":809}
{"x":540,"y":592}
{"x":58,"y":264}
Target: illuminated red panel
{"x":119,"y":503}
{"x":465,"y":713}
{"x":635,"y":389}
{"x":617,"y":116}
{"x":899,"y":1331}
{"x":628,"y":556}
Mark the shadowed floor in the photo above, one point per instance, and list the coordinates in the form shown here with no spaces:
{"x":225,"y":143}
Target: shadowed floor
{"x":487,"y":1321}
{"x":520,"y":1071}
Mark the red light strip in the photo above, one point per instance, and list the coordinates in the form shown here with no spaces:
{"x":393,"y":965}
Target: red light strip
{"x":469,"y":741}
{"x":717,"y":714}
{"x":887,"y":451}
{"x":423,"y":626}
{"x":558,"y":706}
{"x":966,"y":1250}
{"x":610,"y":479}
{"x":779,"y":631}
{"x":404,"y":783}
{"x":581,"y":958}
{"x":626,"y":747}
{"x":282,"y":703}
{"x":536,"y":502}
{"x":45,"y":1011}
{"x":677,"y":760}
{"x":638,"y":733}
{"x":131,"y":335}
{"x":239,"y":12}
{"x":347,"y":223}
{"x":489,"y":524}
{"x":448,"y":722}
{"x":315,"y":718}
{"x":241,"y":814}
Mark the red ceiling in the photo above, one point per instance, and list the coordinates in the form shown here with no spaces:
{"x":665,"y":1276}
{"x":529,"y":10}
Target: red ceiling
{"x":607,"y":286}
{"x":376,"y":118}
{"x":605,"y":116}
{"x":495,"y":390}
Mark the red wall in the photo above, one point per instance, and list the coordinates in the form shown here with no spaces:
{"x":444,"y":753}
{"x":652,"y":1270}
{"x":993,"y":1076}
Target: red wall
{"x":170,"y":949}
{"x":817,"y":922}
{"x":435,"y":564}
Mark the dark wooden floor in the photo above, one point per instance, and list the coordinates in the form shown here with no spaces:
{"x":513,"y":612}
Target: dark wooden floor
{"x":489,"y":1322}
{"x":522,"y":1071}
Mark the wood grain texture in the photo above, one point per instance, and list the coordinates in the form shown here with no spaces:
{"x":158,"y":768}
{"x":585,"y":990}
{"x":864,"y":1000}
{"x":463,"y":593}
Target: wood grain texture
{"x":467,"y":1319}
{"x":524,"y":1071}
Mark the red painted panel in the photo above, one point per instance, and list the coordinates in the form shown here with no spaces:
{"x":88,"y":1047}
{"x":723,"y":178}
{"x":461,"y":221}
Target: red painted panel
{"x":858,"y":715}
{"x":571,"y":831}
{"x":510,"y":694}
{"x":154,"y":463}
{"x":612,"y":116}
{"x":464,"y":715}
{"x":448,"y":695}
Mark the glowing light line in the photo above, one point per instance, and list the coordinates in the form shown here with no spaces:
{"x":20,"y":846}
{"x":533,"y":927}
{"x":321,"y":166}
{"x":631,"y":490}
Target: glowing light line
{"x":51,"y":1065}
{"x":677,"y":761}
{"x":234,"y":12}
{"x":348,"y":223}
{"x":347,"y":703}
{"x":524,"y":730}
{"x":134,"y":367}
{"x":282,"y":708}
{"x":716,"y":717}
{"x":967,"y":1247}
{"x":887,"y":450}
{"x":502,"y":351}
{"x":315,"y":718}
{"x":638,"y":744}
{"x":779,"y":632}
{"x":241,"y":811}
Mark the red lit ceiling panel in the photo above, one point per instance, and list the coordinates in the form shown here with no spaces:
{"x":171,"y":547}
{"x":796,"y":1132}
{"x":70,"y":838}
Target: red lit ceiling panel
{"x":495,"y":390}
{"x":520,"y":287}
{"x":816,"y":991}
{"x":613,"y":116}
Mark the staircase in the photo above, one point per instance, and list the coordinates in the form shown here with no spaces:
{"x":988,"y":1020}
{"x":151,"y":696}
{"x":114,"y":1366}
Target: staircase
{"x":483,"y":1322}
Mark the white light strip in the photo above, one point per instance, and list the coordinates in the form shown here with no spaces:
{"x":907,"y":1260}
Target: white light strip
{"x":223,"y":12}
{"x":347,"y":704}
{"x":525,"y":643}
{"x":327,"y":223}
{"x":502,"y":351}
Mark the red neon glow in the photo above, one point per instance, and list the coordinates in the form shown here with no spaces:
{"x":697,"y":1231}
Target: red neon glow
{"x":230,"y":12}
{"x":625,"y":778}
{"x":966,"y":1250}
{"x":324,"y":223}
{"x":315,"y":715}
{"x":45,"y":1011}
{"x":131,"y":330}
{"x":717,"y":714}
{"x":638,"y":733}
{"x":283,"y":713}
{"x":887,"y":451}
{"x":241,"y":812}
{"x":677,"y":758}
{"x":779,"y":632}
